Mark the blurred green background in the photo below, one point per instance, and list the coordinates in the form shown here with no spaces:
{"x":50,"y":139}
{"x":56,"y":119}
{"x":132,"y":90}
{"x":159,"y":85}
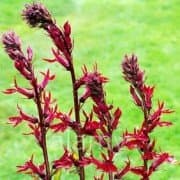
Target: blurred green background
{"x":103,"y":31}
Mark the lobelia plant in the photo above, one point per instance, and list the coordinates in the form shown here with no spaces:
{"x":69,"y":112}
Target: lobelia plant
{"x":100,"y":123}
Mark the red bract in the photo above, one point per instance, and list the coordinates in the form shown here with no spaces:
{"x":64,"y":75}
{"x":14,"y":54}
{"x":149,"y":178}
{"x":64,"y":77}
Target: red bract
{"x":134,"y":140}
{"x":155,"y":118}
{"x":30,"y":168}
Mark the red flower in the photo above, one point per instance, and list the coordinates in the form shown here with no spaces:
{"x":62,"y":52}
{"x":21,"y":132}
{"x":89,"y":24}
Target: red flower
{"x":148,"y":93}
{"x":65,"y":122}
{"x":30,"y":168}
{"x":94,"y":85}
{"x":123,"y":171}
{"x":67,"y":160}
{"x":15,"y":120}
{"x":106,"y":165}
{"x":46,"y":79}
{"x":59,"y":57}
{"x":134,"y":140}
{"x":155,"y":118}
{"x":90,"y":126}
{"x":27,"y":92}
{"x":158,"y":160}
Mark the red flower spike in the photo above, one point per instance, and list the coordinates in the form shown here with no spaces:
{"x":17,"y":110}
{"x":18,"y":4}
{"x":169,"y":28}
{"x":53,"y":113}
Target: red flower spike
{"x":132,"y":72}
{"x":135,"y":96}
{"x":117,"y":115}
{"x":123,"y":171}
{"x":30,"y":168}
{"x":47,"y":78}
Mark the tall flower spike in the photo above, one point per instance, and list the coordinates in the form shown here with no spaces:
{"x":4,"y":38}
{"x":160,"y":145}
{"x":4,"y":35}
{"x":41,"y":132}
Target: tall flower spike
{"x":36,"y":15}
{"x":131,"y":71}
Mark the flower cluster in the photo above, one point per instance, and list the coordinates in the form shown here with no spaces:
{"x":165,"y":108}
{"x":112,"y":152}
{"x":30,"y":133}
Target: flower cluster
{"x":102,"y":120}
{"x":142,"y":95}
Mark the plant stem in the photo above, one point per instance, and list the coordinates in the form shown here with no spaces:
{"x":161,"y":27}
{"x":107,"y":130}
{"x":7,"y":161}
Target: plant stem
{"x":146,"y":118}
{"x":77,"y":118}
{"x":43,"y":130}
{"x":110,"y":148}
{"x":110,"y":152}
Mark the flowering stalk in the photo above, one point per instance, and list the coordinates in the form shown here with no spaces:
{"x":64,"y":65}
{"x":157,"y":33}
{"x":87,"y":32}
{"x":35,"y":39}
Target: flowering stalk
{"x":38,"y":124}
{"x":36,"y":15}
{"x":142,"y":95}
{"x":102,"y":129}
{"x":100,"y":123}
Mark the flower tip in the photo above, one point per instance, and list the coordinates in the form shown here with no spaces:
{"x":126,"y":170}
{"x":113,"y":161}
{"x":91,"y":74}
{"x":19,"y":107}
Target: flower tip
{"x":10,"y":39}
{"x":36,"y":15}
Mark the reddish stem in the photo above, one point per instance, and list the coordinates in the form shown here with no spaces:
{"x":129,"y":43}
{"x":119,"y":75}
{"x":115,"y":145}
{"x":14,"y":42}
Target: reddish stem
{"x":146,"y":118}
{"x":43,"y":129}
{"x":77,"y":118}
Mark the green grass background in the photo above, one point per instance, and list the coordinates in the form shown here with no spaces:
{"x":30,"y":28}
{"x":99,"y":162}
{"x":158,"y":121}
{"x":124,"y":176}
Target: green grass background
{"x":103,"y":31}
